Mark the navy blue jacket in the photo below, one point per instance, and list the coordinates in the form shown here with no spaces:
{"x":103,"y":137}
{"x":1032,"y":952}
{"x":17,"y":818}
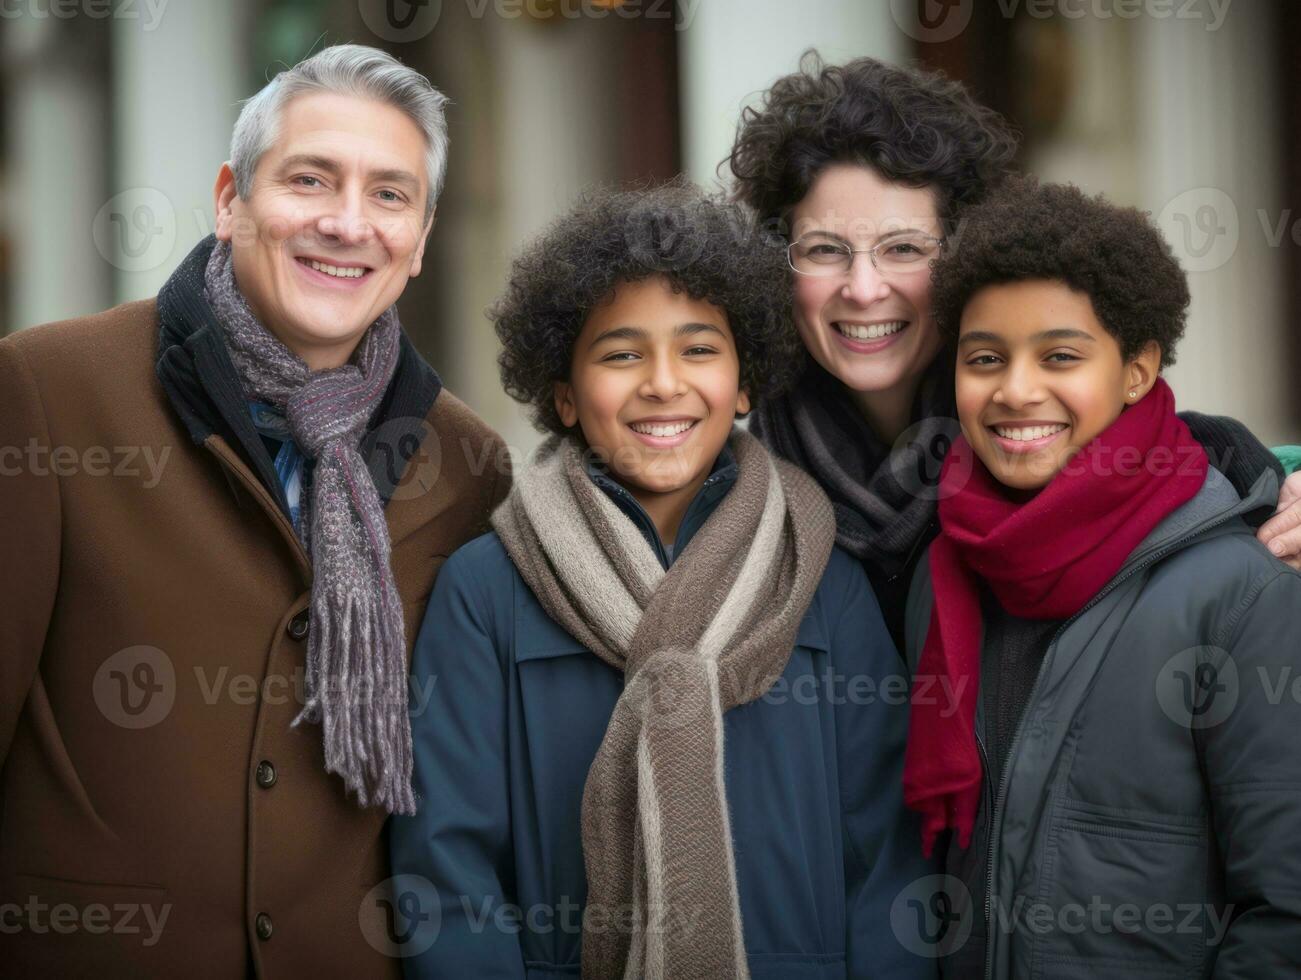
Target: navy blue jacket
{"x":823,"y":844}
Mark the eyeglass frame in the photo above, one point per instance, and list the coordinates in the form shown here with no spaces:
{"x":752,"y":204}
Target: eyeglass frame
{"x":871,"y":253}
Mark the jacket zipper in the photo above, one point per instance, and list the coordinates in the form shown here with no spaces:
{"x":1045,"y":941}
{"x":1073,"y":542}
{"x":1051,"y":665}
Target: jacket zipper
{"x":647,"y":523}
{"x":912,"y":554}
{"x":1000,"y":800}
{"x":987,"y":790}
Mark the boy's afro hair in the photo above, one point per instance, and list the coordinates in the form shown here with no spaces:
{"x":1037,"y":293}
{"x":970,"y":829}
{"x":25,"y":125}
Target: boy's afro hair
{"x":1114,"y":255}
{"x":705,"y":247}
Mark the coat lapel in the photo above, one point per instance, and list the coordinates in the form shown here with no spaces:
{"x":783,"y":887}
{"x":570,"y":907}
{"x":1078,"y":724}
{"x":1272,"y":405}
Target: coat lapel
{"x":236,"y":466}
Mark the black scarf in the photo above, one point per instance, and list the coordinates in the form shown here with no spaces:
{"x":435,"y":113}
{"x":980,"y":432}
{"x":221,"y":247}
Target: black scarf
{"x":884,"y":496}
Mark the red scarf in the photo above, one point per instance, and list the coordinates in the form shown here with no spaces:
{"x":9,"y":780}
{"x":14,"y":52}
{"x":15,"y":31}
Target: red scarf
{"x":1044,"y":559}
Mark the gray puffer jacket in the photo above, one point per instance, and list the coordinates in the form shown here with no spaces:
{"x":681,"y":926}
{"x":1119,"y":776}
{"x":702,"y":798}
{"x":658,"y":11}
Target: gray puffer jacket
{"x":1148,"y":823}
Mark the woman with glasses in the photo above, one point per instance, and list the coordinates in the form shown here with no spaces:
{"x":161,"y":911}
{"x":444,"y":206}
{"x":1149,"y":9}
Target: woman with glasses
{"x":867,"y":168}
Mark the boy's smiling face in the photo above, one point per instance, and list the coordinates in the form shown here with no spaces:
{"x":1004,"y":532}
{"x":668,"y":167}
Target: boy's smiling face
{"x":654,"y":386}
{"x":1039,"y":377}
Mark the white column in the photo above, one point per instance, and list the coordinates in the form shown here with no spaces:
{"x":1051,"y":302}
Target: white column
{"x":55,"y":101}
{"x":554,"y":132}
{"x":1209,"y":172}
{"x":731,"y":50}
{"x":179,"y":71}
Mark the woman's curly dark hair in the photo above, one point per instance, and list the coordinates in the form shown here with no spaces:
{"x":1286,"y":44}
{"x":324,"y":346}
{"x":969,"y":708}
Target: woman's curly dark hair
{"x":705,"y":247}
{"x":910,"y":126}
{"x":1115,"y":255}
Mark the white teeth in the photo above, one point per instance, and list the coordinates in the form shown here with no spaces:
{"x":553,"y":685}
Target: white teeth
{"x":859,"y":331}
{"x":339,"y":271}
{"x":1027,"y":433}
{"x":662,"y":429}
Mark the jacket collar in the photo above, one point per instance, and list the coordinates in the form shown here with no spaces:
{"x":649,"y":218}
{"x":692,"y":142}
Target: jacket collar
{"x":1213,"y":505}
{"x":721,"y":477}
{"x":199,"y":378}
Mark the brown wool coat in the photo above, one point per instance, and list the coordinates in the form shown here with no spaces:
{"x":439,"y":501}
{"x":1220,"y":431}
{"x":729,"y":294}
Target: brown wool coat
{"x":137,"y":565}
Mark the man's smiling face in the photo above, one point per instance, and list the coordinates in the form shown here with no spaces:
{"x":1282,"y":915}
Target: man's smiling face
{"x":334,"y":225}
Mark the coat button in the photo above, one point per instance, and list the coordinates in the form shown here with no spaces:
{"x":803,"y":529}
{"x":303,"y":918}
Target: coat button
{"x":263,"y":926}
{"x":266,"y":774}
{"x":298,"y":625}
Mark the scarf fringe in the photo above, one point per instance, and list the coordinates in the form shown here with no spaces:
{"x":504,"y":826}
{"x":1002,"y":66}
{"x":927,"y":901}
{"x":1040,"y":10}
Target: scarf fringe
{"x":357,"y":692}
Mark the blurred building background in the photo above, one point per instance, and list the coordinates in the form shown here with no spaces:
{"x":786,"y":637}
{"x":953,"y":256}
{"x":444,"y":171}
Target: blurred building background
{"x":116,"y":114}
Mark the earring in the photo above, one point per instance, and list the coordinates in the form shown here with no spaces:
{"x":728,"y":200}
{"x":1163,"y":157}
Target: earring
{"x":1133,"y":394}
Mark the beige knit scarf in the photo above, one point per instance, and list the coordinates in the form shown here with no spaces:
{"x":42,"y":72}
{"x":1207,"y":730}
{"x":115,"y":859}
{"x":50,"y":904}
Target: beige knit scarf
{"x":713,"y":632}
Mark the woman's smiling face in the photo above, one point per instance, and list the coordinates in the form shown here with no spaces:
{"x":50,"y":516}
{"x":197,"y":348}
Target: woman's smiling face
{"x":1039,"y":378}
{"x":872,"y":333}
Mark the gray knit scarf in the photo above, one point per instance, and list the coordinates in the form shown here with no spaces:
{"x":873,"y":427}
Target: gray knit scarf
{"x":713,"y":632}
{"x":356,"y":666}
{"x":884,"y":496}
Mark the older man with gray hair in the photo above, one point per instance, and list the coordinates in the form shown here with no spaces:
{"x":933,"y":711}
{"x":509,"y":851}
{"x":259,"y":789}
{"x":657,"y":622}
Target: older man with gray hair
{"x":204,"y":704}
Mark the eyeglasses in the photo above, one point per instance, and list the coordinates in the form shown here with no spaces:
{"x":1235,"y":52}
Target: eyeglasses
{"x":822,"y":255}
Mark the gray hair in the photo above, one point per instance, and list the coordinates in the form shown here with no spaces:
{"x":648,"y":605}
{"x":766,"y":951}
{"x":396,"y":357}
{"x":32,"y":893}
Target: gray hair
{"x":345,"y":69}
